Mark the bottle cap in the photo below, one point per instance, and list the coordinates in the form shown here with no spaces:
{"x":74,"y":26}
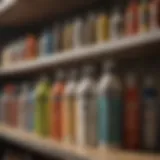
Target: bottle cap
{"x":88,"y":70}
{"x":149,"y":81}
{"x":43,"y":78}
{"x":73,"y":74}
{"x":60,"y":75}
{"x":24,"y":87}
{"x":108,"y":66}
{"x":130,"y":79}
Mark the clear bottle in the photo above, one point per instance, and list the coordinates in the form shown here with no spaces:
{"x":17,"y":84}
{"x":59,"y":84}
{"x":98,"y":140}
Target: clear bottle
{"x":31,"y":108}
{"x":70,"y":107}
{"x":116,"y":24}
{"x":150,"y":108}
{"x":89,"y":36}
{"x":78,"y":27}
{"x":23,"y":106}
{"x":56,"y":37}
{"x":86,"y":112}
{"x":109,"y":107}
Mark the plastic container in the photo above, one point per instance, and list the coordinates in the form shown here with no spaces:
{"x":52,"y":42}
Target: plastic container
{"x":86,"y":112}
{"x":42,"y":124}
{"x":132,"y":112}
{"x":57,"y":108}
{"x":109,"y":107}
{"x":70,"y":105}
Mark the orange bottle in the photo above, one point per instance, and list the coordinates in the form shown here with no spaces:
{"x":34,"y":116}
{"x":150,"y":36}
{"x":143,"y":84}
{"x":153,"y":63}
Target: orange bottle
{"x":132,"y":18}
{"x":154,"y":17}
{"x":56,"y":106}
{"x":11,"y":105}
{"x":31,"y":47}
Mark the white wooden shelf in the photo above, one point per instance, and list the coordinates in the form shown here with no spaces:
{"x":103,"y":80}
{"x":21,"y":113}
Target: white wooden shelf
{"x":67,"y":151}
{"x":79,"y":54}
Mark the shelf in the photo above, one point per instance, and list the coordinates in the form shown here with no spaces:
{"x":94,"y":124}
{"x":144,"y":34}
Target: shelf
{"x":79,"y":54}
{"x":25,"y":12}
{"x":67,"y":151}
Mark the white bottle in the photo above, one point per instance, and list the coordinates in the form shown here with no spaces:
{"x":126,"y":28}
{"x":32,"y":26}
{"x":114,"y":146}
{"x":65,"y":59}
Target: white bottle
{"x":86,"y":109}
{"x":22,"y":107}
{"x":116,"y":25}
{"x":109,"y":107}
{"x":89,"y":28}
{"x":70,"y":107}
{"x":78,"y":32}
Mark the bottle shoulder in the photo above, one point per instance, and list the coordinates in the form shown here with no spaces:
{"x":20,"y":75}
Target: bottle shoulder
{"x":86,"y":85}
{"x":109,"y":82}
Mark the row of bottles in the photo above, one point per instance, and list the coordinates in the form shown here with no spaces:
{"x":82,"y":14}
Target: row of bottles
{"x":85,"y":111}
{"x":98,"y":26}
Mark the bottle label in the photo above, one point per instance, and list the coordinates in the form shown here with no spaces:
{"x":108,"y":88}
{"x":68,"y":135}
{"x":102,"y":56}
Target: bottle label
{"x":110,"y":117}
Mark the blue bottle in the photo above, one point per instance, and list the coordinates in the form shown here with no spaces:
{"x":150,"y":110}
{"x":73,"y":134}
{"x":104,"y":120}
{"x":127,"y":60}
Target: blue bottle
{"x":46,"y":43}
{"x":109,"y":107}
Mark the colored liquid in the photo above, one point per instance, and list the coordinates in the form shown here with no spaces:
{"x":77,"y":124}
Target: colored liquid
{"x":102,"y":28}
{"x":57,"y":110}
{"x":110,"y":118}
{"x":42,"y":109}
{"x":69,"y":118}
{"x":132,"y":119}
{"x":31,"y":47}
{"x":132,"y":19}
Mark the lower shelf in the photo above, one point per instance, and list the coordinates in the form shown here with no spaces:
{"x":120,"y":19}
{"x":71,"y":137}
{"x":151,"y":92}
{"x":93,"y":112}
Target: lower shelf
{"x":68,"y":151}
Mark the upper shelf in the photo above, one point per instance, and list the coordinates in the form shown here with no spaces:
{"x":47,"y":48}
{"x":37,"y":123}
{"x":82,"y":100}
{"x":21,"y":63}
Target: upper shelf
{"x":21,"y":12}
{"x":50,"y":147}
{"x":129,"y":45}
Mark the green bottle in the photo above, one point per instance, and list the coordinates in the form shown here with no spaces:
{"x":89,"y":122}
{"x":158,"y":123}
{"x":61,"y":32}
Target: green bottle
{"x":42,"y":126}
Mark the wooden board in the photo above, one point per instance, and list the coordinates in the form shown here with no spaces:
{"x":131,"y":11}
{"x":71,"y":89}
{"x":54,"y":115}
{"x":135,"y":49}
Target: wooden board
{"x":69,"y":151}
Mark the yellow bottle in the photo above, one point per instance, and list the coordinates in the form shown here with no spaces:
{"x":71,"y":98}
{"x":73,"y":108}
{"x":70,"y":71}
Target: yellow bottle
{"x":68,"y":36}
{"x":102,"y":28}
{"x":144,"y":16}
